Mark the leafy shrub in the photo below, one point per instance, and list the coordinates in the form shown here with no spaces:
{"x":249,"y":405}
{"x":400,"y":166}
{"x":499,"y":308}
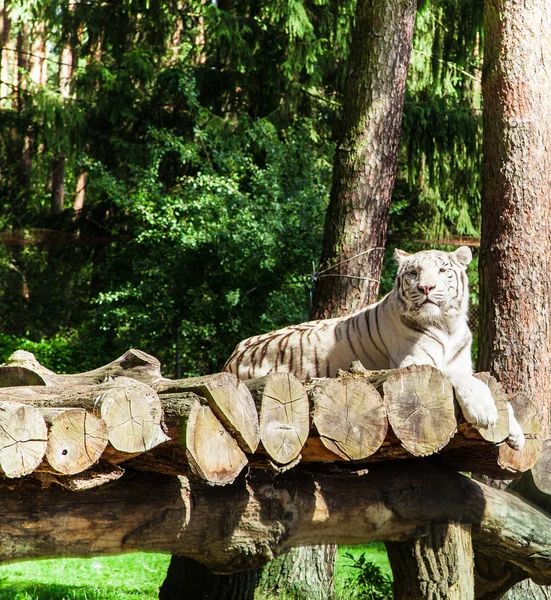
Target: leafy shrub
{"x":369,"y":583}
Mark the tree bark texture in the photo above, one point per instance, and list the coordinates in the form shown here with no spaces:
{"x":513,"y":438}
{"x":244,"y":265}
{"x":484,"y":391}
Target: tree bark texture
{"x":366,"y":157}
{"x":515,"y":258}
{"x":434,"y":567}
{"x":514,"y":341}
{"x":242,"y":526}
{"x":187,"y":579}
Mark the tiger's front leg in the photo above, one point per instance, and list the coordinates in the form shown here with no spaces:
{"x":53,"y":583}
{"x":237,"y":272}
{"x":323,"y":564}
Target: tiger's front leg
{"x":474,"y":397}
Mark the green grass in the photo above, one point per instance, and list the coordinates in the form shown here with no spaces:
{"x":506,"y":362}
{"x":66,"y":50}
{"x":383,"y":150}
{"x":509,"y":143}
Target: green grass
{"x":129,"y":577}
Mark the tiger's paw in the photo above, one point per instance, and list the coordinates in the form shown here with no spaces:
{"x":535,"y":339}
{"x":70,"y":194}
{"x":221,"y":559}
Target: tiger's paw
{"x":516,"y":437}
{"x":476,"y":402}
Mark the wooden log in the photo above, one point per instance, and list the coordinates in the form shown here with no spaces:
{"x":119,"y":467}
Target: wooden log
{"x":76,"y":440}
{"x":228,"y":398}
{"x":470,"y":451}
{"x":23,"y":369}
{"x":131,"y":410}
{"x":23,"y":439}
{"x":349,"y":417}
{"x":284,"y":413}
{"x":420,"y":406}
{"x":500,"y":431}
{"x":245,"y":525}
{"x":201,"y":445}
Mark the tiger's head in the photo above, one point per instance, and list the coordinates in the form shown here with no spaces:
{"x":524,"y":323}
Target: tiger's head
{"x":431,"y":285}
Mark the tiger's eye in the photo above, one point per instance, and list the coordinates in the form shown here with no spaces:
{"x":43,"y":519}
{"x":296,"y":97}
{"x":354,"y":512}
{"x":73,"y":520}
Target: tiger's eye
{"x":412,"y":272}
{"x":443,"y":269}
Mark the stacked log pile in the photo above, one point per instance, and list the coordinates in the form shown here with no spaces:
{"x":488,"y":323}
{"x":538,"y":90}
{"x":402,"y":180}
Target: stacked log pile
{"x":83,"y":430}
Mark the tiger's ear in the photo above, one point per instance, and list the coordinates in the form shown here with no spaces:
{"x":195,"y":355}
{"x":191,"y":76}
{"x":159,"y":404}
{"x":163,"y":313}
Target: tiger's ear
{"x":463,"y":255}
{"x":399,"y":255}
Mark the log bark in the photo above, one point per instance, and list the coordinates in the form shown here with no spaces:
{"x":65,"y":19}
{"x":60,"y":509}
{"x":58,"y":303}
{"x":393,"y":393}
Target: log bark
{"x":229,"y":399}
{"x":434,"y":567}
{"x":242,"y":526}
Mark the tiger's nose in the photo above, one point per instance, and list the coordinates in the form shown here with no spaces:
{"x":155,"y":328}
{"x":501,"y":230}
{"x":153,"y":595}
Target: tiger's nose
{"x":426,"y":289}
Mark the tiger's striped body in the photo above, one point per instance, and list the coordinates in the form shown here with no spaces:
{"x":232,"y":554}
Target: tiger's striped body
{"x":423,"y":320}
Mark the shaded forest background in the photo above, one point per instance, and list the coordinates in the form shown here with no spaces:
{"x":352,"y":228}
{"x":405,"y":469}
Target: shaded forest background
{"x":165,"y":167}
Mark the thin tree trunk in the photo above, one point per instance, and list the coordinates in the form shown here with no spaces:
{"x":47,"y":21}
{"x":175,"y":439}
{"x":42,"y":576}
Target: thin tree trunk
{"x":80,"y":194}
{"x":366,"y":157}
{"x":515,"y":258}
{"x":58,"y":185}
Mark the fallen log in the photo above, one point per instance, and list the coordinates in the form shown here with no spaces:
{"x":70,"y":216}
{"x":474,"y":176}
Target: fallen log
{"x":247,"y":524}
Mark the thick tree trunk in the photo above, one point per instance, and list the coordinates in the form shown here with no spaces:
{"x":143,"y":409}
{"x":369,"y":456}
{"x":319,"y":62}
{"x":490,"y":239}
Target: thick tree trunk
{"x":366,"y":157}
{"x":515,"y":257}
{"x":188,"y":579}
{"x":515,"y":299}
{"x":363,"y":178}
{"x":434,"y":567}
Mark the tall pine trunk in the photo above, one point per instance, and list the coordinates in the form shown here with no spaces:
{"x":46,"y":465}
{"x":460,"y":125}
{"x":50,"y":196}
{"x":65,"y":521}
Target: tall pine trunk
{"x":515,"y":258}
{"x":357,"y":216}
{"x":366,"y":157}
{"x":356,"y":223}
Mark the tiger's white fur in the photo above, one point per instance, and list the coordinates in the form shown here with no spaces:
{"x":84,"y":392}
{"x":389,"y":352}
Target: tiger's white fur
{"x":423,"y":320}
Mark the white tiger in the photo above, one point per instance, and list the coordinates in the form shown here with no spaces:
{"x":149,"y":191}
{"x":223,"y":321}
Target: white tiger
{"x":423,"y":320}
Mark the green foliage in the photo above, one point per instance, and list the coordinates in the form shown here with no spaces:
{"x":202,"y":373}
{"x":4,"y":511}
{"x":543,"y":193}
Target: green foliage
{"x":438,"y":188}
{"x":127,"y":577}
{"x":207,"y":131}
{"x":369,"y":583}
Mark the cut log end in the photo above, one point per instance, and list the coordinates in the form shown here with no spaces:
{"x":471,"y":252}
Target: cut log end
{"x":23,"y":439}
{"x":284,"y":417}
{"x":76,"y":440}
{"x":213,"y":454}
{"x":132,"y":412}
{"x":421,"y":409}
{"x":349,"y":417}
